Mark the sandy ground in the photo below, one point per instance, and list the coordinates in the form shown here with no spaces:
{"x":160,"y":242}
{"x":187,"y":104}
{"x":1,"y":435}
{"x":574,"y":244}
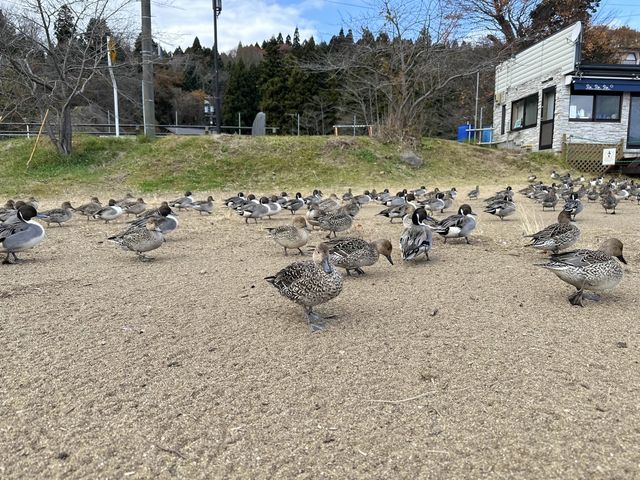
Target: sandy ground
{"x":472,"y":365}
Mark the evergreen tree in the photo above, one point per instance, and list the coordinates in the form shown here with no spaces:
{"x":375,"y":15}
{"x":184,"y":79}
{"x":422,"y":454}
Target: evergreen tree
{"x":296,"y":39}
{"x":65,"y":24}
{"x":241,"y":96}
{"x":273,"y":85}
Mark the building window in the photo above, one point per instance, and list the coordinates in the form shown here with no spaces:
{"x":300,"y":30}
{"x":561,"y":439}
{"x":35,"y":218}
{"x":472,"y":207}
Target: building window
{"x":524,"y":112}
{"x":595,"y":108}
{"x":630,"y":59}
{"x":503,"y":125}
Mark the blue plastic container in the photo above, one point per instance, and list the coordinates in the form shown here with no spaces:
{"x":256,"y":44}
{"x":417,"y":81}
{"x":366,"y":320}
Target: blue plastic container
{"x":463,"y":132}
{"x":487,"y":135}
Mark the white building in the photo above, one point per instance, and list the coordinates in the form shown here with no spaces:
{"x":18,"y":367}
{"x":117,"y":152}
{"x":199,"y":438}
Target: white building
{"x":545,"y":93}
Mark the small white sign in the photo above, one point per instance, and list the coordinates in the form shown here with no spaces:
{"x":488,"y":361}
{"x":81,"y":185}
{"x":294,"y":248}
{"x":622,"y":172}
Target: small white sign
{"x":608,"y":156}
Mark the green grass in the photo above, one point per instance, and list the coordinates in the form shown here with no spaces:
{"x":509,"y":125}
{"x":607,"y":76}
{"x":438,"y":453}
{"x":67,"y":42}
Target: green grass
{"x":248,"y":163}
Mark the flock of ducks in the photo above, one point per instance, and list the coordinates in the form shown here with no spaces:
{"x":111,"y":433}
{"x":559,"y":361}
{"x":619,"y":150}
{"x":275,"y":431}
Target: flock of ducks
{"x":313,"y":282}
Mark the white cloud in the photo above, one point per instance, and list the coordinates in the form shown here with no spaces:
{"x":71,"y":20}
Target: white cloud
{"x":246,"y":21}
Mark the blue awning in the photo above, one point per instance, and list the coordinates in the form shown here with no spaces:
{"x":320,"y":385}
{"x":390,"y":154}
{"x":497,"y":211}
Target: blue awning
{"x":606,"y":85}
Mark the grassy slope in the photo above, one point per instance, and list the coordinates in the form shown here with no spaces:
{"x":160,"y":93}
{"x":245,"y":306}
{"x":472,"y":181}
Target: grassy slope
{"x":231,"y":162}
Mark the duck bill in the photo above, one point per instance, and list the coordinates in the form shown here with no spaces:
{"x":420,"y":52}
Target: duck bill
{"x":389,"y":258}
{"x":621,"y":258}
{"x":326,"y":266}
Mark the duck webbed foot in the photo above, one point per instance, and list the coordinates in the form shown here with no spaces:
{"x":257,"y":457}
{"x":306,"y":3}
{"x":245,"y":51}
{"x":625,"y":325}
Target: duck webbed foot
{"x":8,"y":261}
{"x":592,"y":296}
{"x":577,"y":298}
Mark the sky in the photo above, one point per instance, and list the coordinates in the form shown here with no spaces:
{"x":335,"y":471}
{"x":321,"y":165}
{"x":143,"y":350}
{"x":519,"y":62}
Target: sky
{"x":178,"y":22}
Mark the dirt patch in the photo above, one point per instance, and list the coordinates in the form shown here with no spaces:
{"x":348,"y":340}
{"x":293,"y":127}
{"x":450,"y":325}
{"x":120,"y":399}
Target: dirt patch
{"x":472,"y":365}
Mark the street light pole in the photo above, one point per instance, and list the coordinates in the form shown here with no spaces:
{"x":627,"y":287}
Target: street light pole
{"x":217,"y":8}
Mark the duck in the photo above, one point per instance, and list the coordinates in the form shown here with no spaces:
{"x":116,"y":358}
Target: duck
{"x":235,"y":202}
{"x":295,"y":235}
{"x":281,"y":199}
{"x":310,"y":283}
{"x":394,"y":201}
{"x":153,"y":211}
{"x":58,"y":215}
{"x":348,"y":196}
{"x":329,"y":205}
{"x":500,"y":196}
{"x":141,"y":239}
{"x":436,"y":203}
{"x":416,"y":239}
{"x":550,"y":200}
{"x":274,"y":207}
{"x":313,"y":214}
{"x":610,"y":202}
{"x":294,"y":204}
{"x":91,"y":208}
{"x":314,"y":198}
{"x":33,"y":202}
{"x":23,"y":234}
{"x":204,"y":206}
{"x":135,"y":208}
{"x":398,"y":212}
{"x":457,"y":226}
{"x":363,"y":199}
{"x":474,"y":194}
{"x":501,"y":208}
{"x":165,"y":219}
{"x":8,"y":210}
{"x":531,"y":178}
{"x":182,"y":202}
{"x":557,"y":236}
{"x":254,"y":210}
{"x":574,"y":206}
{"x":354,"y":253}
{"x":593,"y":270}
{"x":127,"y":200}
{"x":109,"y":213}
{"x":335,"y":222}
{"x":352,"y":208}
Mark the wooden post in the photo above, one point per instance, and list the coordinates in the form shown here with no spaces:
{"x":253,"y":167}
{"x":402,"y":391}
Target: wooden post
{"x":44,"y":120}
{"x":335,"y":131}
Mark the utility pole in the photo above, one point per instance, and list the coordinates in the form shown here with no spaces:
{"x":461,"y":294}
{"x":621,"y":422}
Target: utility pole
{"x":111,"y":56}
{"x":217,"y":8}
{"x":148,"y":106}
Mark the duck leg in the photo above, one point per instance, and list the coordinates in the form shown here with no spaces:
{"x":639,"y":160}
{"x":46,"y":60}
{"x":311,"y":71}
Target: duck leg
{"x":301,"y":252}
{"x":143,"y":258}
{"x":285,"y":252}
{"x":576,"y":298}
{"x":360,"y":271}
{"x":311,"y":318}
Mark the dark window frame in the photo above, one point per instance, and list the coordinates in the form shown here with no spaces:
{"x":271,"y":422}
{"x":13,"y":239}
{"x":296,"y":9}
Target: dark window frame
{"x":632,"y":145}
{"x":591,"y":93}
{"x":524,"y":113}
{"x":503,"y":126}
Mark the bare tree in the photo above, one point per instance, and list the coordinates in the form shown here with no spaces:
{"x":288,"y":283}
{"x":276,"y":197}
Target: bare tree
{"x":51,"y":50}
{"x":518,"y":23}
{"x":390,"y":76}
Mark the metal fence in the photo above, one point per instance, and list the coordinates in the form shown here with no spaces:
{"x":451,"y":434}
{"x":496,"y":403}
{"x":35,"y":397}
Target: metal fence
{"x":108,"y":129}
